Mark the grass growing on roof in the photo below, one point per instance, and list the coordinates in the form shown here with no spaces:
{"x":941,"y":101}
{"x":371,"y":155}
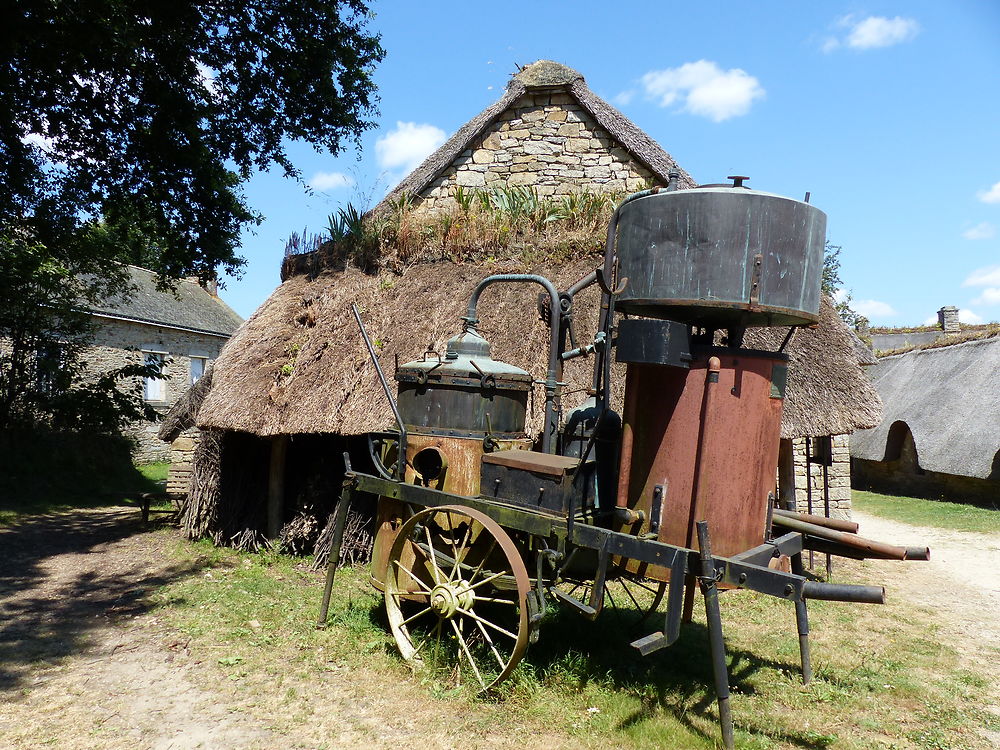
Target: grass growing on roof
{"x":883,"y":678}
{"x":942,"y":514}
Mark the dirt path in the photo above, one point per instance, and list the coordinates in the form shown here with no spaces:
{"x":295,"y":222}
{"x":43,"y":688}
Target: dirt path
{"x":960,"y":584}
{"x":84,"y":662}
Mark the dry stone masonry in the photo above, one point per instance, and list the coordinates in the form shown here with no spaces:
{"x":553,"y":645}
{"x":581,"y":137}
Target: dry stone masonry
{"x":546,"y":141}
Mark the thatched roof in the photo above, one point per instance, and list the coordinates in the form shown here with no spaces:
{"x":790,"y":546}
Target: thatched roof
{"x":550,"y":76}
{"x":949,"y":400}
{"x":298,"y":365}
{"x":827,"y":392}
{"x":183,"y":413}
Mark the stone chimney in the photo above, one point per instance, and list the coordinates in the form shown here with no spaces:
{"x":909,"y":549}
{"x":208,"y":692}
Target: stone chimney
{"x":948,"y":319}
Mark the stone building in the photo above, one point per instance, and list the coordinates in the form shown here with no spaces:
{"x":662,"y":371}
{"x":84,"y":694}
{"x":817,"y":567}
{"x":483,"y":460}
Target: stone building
{"x":549,"y":132}
{"x":182,"y":331}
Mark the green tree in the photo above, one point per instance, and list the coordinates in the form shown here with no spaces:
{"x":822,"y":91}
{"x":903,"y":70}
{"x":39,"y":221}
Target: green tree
{"x":152,"y":114}
{"x":127,"y":128}
{"x":832,"y":285}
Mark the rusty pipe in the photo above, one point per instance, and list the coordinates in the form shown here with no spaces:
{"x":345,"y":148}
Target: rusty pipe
{"x":857,"y":544}
{"x":700,"y":483}
{"x":830,"y":523}
{"x":554,"y":371}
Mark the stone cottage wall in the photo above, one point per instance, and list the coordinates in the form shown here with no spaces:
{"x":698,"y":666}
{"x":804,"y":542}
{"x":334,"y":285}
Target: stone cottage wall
{"x":839,"y":474}
{"x":545,"y":141}
{"x":119,"y":342}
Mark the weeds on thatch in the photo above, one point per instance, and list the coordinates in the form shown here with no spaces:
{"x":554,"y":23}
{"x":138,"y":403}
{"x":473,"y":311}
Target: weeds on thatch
{"x":478,"y":225}
{"x":979,"y":333}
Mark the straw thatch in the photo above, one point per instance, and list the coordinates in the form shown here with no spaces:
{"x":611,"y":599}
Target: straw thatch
{"x":298,"y":365}
{"x":947,"y":397}
{"x":827,"y":392}
{"x":542,"y":75}
{"x":182,"y":414}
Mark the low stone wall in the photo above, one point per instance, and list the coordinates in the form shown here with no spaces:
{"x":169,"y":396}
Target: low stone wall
{"x":900,"y":477}
{"x":545,"y":141}
{"x":838,"y":474}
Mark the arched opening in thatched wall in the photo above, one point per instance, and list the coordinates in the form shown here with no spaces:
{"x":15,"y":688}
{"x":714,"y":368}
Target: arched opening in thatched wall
{"x":901,"y":449}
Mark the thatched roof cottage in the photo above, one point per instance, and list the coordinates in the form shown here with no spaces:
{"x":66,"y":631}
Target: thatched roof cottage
{"x":939,"y":437}
{"x":295,"y":385}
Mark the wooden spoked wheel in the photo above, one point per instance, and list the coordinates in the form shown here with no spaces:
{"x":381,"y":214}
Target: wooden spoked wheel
{"x":457,"y":602}
{"x":632,"y":600}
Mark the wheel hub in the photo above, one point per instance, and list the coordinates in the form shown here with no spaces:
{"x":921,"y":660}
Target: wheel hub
{"x":448,"y":598}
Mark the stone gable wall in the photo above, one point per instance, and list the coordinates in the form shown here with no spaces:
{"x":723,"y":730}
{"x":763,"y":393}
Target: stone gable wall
{"x":119,"y":342}
{"x":545,"y":141}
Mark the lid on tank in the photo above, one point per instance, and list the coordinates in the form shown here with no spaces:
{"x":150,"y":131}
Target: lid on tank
{"x":467,"y":356}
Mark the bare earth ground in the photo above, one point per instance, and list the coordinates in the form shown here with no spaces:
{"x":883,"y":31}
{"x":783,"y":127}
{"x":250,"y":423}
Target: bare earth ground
{"x":85,"y":664}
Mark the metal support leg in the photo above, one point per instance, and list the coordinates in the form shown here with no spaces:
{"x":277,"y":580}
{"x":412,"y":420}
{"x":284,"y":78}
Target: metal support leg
{"x":802,"y":624}
{"x":340,"y":518}
{"x":714,"y":617}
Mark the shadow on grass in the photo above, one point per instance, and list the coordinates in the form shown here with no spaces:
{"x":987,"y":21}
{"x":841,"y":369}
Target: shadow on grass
{"x":676,"y":681}
{"x":48,"y":609}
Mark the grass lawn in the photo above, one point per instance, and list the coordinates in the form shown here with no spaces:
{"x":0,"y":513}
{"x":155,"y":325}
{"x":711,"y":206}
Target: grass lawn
{"x":20,"y":497}
{"x":883,"y":677}
{"x":937,"y":513}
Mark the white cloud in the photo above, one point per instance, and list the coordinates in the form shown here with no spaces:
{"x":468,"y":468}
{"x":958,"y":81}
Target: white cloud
{"x":871,"y":32}
{"x":989,"y":296}
{"x":872,"y":308}
{"x":932,"y":320}
{"x":982,"y":231}
{"x":877,"y":31}
{"x":703,"y":88}
{"x":988,"y":276}
{"x":330,"y":180}
{"x":624,"y":98}
{"x":990,"y":196}
{"x":969,"y":317}
{"x":407,"y":145}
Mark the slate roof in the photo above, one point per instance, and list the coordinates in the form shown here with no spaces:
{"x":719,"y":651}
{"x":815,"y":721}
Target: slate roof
{"x":949,"y":399}
{"x":188,"y":306}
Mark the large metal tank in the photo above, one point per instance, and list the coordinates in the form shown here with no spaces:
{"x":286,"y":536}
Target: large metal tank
{"x":701,"y":443}
{"x":455,"y":409}
{"x":721,"y":256}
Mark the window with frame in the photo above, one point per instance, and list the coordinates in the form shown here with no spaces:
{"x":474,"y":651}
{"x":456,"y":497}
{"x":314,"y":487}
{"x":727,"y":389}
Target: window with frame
{"x":154,"y":388}
{"x":197,"y":368}
{"x":49,"y":360}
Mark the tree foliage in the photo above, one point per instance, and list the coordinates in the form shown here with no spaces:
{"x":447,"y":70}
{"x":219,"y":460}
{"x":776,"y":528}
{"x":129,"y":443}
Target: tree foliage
{"x":151,"y":114}
{"x":126,"y":130}
{"x":832,"y":285}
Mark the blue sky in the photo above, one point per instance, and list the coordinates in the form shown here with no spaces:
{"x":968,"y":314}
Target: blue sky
{"x":887,"y":112}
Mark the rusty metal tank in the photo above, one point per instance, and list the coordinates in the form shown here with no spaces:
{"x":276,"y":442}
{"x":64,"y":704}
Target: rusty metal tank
{"x":701,"y":443}
{"x":467,"y":393}
{"x":721,"y":256}
{"x":455,"y":409}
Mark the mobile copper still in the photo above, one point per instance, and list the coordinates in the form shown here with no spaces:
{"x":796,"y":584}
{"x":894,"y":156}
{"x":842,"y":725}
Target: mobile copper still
{"x":478,"y":533}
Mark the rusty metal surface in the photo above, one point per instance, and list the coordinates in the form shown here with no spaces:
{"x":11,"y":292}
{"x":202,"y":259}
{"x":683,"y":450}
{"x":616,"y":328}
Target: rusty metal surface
{"x":692,"y":256}
{"x":665,"y":422}
{"x":460,"y":477}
